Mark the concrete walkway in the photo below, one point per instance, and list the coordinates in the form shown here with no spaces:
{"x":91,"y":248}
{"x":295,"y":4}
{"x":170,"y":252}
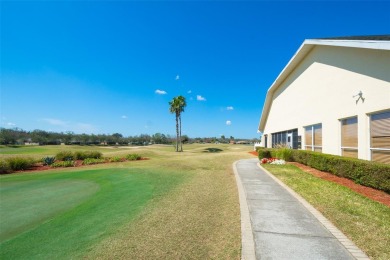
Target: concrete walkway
{"x":279,"y":224}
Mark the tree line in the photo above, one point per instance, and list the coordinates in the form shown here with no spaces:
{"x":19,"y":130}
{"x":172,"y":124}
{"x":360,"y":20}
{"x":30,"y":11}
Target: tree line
{"x":17,"y":136}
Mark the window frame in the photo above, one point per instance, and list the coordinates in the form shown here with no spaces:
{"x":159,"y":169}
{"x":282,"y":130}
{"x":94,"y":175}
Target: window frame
{"x":344,"y":148}
{"x":373,"y":149}
{"x":313,"y":147}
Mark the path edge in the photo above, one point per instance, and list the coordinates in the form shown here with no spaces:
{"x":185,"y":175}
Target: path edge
{"x":247,"y":240}
{"x":356,"y":252}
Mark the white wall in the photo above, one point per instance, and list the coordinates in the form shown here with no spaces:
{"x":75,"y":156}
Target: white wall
{"x":320,"y":90}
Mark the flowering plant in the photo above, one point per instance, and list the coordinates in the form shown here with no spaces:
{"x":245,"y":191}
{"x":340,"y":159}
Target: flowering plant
{"x":272,"y":161}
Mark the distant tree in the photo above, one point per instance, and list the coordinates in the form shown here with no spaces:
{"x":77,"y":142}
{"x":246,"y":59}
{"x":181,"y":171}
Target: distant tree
{"x":39,"y":136}
{"x":185,"y":139}
{"x":159,"y":138}
{"x":117,"y":137}
{"x":7,"y":136}
{"x":176,"y":106}
{"x":144,"y":139}
{"x":67,"y":137}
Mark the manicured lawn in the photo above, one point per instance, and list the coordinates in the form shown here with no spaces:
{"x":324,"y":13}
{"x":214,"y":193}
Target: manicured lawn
{"x":364,"y":221}
{"x":63,"y":214}
{"x":175,"y":205}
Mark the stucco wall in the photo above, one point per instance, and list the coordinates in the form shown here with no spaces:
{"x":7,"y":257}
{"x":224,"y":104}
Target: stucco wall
{"x":320,"y":90}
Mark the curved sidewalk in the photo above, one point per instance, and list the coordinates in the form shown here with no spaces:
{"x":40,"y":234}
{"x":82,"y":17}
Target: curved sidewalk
{"x":277,"y":223}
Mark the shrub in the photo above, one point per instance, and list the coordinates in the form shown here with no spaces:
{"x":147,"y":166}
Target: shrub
{"x":90,"y":161}
{"x":20,"y":163}
{"x":63,"y":164}
{"x":133,"y":157}
{"x":115,"y":159}
{"x":4,"y":167}
{"x":284,"y":153}
{"x":264,"y":153}
{"x":48,"y":160}
{"x":65,"y":156}
{"x":82,"y":155}
{"x":367,"y":173}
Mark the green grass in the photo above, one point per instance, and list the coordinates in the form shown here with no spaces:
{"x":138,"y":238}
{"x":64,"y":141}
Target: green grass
{"x":62,"y":215}
{"x":364,"y":221}
{"x":26,"y":204}
{"x":175,"y":205}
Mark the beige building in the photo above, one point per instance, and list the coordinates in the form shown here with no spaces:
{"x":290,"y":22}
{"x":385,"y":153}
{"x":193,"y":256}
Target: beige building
{"x":333,"y":97}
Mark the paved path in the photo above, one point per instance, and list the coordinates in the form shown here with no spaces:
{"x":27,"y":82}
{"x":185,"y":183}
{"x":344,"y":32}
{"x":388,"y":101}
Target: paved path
{"x":278,"y":224}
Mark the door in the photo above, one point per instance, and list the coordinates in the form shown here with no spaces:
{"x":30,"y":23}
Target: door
{"x":290,"y":140}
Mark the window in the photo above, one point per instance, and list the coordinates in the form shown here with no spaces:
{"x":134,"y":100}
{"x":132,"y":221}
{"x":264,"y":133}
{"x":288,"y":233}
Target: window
{"x":380,"y":137}
{"x":313,"y":138}
{"x":349,"y":137}
{"x":288,"y":138}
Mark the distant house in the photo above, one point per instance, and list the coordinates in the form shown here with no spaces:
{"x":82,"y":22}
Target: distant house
{"x":333,"y":97}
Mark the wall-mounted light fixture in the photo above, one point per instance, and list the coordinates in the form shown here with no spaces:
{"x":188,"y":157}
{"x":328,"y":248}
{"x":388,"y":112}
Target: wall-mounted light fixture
{"x":360,"y":97}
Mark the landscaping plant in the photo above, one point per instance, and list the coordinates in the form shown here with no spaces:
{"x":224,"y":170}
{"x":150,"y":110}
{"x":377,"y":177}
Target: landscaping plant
{"x":81,"y":155}
{"x":115,"y":159}
{"x":90,"y":161}
{"x":65,"y":156}
{"x":20,"y":163}
{"x":63,"y":164}
{"x":272,"y":161}
{"x":4,"y":166}
{"x":48,"y":160}
{"x":133,"y":157}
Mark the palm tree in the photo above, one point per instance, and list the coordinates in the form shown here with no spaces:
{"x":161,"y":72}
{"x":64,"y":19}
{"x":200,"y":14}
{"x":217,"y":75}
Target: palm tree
{"x":176,"y":106}
{"x":182,"y":105}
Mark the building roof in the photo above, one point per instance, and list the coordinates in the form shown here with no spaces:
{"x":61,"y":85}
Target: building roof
{"x":364,"y":38}
{"x":378,"y":42}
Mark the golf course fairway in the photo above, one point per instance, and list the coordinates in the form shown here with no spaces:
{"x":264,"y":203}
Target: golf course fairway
{"x":61,"y":214}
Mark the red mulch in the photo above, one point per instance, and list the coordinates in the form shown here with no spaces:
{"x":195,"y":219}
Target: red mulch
{"x":377,"y":195}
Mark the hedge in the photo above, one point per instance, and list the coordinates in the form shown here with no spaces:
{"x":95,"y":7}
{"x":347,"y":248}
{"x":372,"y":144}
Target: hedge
{"x":367,"y":173}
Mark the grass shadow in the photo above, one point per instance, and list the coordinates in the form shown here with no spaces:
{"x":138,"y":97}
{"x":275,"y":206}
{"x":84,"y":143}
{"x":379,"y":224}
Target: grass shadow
{"x":212,"y":150}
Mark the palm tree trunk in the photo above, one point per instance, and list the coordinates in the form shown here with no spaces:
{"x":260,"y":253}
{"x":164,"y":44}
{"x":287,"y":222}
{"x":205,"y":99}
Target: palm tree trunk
{"x":181,"y":144}
{"x":177,"y":132}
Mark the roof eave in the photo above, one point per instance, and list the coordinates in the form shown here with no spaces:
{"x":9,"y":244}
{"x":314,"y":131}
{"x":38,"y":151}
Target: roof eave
{"x":303,"y":50}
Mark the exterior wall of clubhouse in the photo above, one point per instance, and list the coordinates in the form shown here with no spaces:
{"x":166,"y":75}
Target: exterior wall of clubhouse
{"x":332,"y":97}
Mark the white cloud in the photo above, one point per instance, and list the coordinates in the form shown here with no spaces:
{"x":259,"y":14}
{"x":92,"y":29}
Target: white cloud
{"x":160,"y":92}
{"x":177,"y":77}
{"x":53,"y":121}
{"x":200,"y":98}
{"x":189,"y":91}
{"x":10,"y":124}
{"x":228,"y":122}
{"x":230,"y":108}
{"x":124,"y":117}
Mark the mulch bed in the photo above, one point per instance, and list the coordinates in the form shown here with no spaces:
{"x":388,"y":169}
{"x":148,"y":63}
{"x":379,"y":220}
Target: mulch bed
{"x":377,"y":195}
{"x":78,"y":163}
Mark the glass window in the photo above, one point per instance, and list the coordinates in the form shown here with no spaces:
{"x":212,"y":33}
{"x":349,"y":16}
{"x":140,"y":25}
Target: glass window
{"x":349,"y":137}
{"x":308,"y":138}
{"x":380,"y":137}
{"x":285,"y":139}
{"x":313,"y":138}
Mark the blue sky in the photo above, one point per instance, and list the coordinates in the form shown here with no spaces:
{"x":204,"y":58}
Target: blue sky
{"x":108,"y":67}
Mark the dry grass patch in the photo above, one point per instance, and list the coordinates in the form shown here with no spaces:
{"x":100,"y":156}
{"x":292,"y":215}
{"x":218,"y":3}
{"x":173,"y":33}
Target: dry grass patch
{"x":199,"y":220}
